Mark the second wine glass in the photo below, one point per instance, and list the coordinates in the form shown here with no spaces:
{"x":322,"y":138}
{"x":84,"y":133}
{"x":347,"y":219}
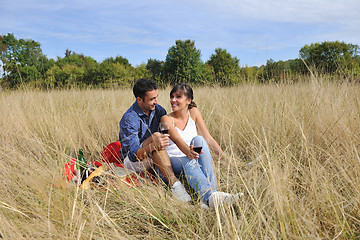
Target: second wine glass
{"x":164,"y":127}
{"x":197,"y":144}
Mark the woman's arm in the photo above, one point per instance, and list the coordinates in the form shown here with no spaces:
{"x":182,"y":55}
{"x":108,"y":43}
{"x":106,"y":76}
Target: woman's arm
{"x":203,"y":131}
{"x":176,"y":138}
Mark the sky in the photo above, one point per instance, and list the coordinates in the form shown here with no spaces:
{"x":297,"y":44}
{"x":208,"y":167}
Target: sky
{"x":254,"y":31}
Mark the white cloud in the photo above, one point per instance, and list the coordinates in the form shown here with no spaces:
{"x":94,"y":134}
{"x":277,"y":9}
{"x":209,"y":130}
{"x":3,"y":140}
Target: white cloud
{"x":304,"y":11}
{"x":239,"y":26}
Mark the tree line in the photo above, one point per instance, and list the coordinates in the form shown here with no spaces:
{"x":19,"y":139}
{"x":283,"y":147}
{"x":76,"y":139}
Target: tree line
{"x":24,"y":64}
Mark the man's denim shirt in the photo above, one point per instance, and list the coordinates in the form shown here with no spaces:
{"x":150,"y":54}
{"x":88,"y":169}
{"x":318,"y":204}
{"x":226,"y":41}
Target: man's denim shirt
{"x":135,"y":128}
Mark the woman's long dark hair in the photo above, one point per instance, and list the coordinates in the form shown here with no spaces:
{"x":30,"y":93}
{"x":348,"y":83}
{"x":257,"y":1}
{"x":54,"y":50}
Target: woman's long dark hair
{"x":187,"y":91}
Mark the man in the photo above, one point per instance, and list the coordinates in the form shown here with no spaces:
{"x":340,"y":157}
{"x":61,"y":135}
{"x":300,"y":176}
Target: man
{"x":142,"y":144}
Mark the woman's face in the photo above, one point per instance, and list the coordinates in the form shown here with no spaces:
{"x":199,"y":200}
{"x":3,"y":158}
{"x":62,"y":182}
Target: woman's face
{"x":179,"y":101}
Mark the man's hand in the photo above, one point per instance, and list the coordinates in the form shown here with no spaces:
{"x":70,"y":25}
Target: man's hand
{"x":157,"y":142}
{"x":160,"y":140}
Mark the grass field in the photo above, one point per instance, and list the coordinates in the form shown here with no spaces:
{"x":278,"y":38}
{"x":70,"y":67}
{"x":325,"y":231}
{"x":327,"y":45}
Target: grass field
{"x":294,"y":150}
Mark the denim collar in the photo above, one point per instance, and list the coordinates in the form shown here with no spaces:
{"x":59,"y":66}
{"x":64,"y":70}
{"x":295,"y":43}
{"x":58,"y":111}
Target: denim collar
{"x":137,"y":109}
{"x":141,"y":113}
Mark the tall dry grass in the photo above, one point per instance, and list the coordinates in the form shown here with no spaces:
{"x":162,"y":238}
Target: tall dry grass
{"x":294,"y":152}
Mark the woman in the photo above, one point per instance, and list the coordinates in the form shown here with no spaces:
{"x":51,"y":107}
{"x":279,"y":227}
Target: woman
{"x":185,"y":123}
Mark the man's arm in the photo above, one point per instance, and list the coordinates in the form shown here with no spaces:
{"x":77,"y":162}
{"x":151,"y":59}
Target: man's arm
{"x":128,"y":136}
{"x":155,"y":142}
{"x":131,"y":143}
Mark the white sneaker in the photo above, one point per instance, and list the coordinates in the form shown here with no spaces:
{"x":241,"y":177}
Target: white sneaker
{"x":218,"y":198}
{"x":179,"y":191}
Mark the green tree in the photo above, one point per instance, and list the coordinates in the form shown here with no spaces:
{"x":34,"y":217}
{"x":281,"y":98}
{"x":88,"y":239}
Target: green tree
{"x":21,"y":60}
{"x":273,"y":70}
{"x":282,"y":71}
{"x":226,"y":67}
{"x":329,"y":57}
{"x":141,"y":72}
{"x":183,"y":63}
{"x":155,"y":67}
{"x":250,"y":74}
{"x":118,"y":59}
{"x":93,"y":75}
{"x":75,"y":70}
{"x":72,"y":58}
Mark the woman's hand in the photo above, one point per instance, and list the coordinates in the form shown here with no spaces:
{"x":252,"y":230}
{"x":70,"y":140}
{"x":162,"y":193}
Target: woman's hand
{"x":192,"y":154}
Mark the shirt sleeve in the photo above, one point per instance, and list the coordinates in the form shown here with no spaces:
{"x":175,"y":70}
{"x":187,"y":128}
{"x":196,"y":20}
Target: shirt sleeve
{"x":161,"y":112}
{"x":129,"y":136}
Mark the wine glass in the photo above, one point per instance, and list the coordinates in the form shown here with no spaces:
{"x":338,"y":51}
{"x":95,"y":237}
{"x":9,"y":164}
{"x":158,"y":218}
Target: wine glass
{"x":197,"y":144}
{"x":164,"y":127}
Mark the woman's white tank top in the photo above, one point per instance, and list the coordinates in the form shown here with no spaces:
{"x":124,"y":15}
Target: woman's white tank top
{"x":187,"y":135}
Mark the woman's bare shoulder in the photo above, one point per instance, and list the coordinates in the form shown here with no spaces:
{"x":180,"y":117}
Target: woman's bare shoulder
{"x":194,"y":111}
{"x":166,"y":118}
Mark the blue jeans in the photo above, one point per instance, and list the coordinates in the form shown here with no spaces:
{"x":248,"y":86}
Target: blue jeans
{"x":198,"y":172}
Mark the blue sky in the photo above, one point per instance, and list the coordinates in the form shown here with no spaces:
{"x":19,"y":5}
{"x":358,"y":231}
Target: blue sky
{"x":252,"y":30}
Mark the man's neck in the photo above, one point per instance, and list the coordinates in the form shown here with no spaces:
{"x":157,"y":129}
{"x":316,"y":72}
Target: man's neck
{"x":147,"y":112}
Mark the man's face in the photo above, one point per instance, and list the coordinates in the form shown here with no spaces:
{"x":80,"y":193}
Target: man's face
{"x":148,"y":103}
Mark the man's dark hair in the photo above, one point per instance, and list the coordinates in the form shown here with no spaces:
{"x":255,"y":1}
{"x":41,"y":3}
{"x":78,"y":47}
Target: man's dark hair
{"x":142,"y":86}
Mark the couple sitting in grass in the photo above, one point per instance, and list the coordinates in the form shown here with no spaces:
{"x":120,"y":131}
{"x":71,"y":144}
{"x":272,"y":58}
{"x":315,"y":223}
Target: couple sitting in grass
{"x":171,"y":154}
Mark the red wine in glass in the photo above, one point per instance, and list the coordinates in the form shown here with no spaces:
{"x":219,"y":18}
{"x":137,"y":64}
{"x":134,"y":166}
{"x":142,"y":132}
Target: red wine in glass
{"x":197,"y":149}
{"x":164,"y":127}
{"x":164,"y":131}
{"x":197,"y":144}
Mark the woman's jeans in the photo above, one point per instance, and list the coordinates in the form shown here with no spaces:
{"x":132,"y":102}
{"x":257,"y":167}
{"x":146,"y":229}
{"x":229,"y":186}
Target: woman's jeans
{"x":198,"y":172}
